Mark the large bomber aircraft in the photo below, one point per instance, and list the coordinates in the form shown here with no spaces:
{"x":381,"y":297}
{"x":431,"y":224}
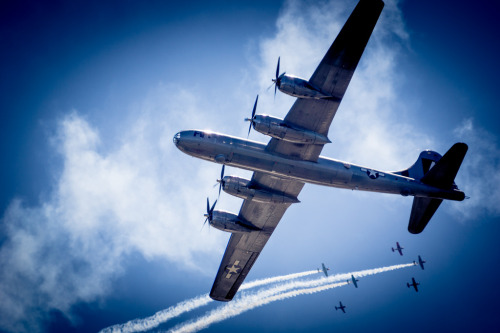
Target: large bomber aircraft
{"x":292,"y":158}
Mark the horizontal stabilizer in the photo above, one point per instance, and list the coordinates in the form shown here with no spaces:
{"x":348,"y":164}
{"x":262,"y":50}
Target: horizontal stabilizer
{"x":421,"y":213}
{"x":443,"y":173}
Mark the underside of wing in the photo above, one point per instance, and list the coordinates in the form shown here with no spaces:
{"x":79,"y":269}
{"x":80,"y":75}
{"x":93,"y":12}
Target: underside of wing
{"x":332,"y":76}
{"x":243,"y":249}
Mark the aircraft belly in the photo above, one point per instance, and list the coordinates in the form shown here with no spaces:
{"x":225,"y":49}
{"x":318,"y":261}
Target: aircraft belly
{"x":325,"y":171}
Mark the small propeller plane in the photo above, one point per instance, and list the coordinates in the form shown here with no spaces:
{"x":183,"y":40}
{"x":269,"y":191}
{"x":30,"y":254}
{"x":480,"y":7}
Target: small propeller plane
{"x":292,"y":158}
{"x":341,"y":307}
{"x":398,"y":248}
{"x":420,"y":262}
{"x":414,"y":284}
{"x":353,"y":281}
{"x":325,"y":269}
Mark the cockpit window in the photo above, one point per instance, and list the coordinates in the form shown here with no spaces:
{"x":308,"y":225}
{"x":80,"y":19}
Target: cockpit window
{"x":198,"y":133}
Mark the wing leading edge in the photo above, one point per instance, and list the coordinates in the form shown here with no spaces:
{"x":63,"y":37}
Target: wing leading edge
{"x":332,"y":76}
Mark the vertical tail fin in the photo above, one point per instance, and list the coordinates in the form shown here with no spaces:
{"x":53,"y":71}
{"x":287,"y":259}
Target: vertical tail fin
{"x":441,"y":175}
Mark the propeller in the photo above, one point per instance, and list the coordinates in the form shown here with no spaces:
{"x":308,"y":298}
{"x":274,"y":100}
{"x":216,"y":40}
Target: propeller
{"x":209,"y":213}
{"x":251,"y":120}
{"x":221,"y":180}
{"x":277,"y":79}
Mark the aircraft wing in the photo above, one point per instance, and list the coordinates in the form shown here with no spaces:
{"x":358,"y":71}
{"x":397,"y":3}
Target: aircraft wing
{"x":243,"y":249}
{"x":332,"y":76}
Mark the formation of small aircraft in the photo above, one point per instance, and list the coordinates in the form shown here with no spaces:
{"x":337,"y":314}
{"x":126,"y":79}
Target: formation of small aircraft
{"x":341,"y":307}
{"x":353,"y":281}
{"x":420,"y":262}
{"x":398,"y":248}
{"x":292,"y":158}
{"x":414,"y":284}
{"x":325,"y":269}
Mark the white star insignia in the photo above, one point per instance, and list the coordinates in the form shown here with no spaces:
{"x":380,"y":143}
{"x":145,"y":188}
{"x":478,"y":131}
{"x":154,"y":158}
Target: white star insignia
{"x":372,"y":174}
{"x":233,"y":269}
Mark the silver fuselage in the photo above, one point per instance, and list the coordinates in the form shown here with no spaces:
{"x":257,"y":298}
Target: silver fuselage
{"x":251,"y":155}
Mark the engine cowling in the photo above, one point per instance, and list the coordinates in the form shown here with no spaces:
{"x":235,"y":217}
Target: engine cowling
{"x":242,"y":188}
{"x":230,"y":222}
{"x":301,"y":88}
{"x":279,"y":129}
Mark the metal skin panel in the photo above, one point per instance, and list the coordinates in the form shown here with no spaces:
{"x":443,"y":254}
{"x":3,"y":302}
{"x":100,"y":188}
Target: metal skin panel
{"x":245,"y":248}
{"x":254,"y":156}
{"x":332,"y":76}
{"x":283,"y":174}
{"x":245,"y":189}
{"x":285,"y":166}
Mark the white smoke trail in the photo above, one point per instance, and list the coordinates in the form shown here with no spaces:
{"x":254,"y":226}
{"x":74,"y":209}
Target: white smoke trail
{"x":161,"y":317}
{"x":281,"y":278}
{"x":265,"y":296}
{"x":243,"y":305}
{"x":140,"y":325}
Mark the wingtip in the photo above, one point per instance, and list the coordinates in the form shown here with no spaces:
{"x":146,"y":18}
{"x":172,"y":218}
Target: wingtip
{"x":220,"y":299}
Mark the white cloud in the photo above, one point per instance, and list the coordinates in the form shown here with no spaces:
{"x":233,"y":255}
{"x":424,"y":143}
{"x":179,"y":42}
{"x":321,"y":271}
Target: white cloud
{"x":369,"y":127}
{"x":141,"y":197}
{"x":478,"y":177}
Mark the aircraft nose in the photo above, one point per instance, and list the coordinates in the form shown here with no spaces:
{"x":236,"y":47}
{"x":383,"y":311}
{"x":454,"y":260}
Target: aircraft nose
{"x":177,"y":138}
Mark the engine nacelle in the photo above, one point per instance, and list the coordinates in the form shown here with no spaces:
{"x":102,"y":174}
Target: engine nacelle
{"x":230,"y":222}
{"x":301,"y":88}
{"x":277,"y":128}
{"x":242,"y":188}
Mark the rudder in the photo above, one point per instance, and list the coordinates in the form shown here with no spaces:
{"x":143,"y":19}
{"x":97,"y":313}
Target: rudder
{"x":441,"y":175}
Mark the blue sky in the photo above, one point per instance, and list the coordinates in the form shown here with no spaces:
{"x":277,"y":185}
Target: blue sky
{"x":101,"y":214}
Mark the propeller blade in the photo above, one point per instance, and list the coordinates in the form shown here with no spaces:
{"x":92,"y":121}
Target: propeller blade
{"x":212,"y":209}
{"x":249,"y":129}
{"x":221,"y":179}
{"x":253,"y":115}
{"x":278,"y":69}
{"x":255,"y":106}
{"x":277,"y":76}
{"x":209,"y":213}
